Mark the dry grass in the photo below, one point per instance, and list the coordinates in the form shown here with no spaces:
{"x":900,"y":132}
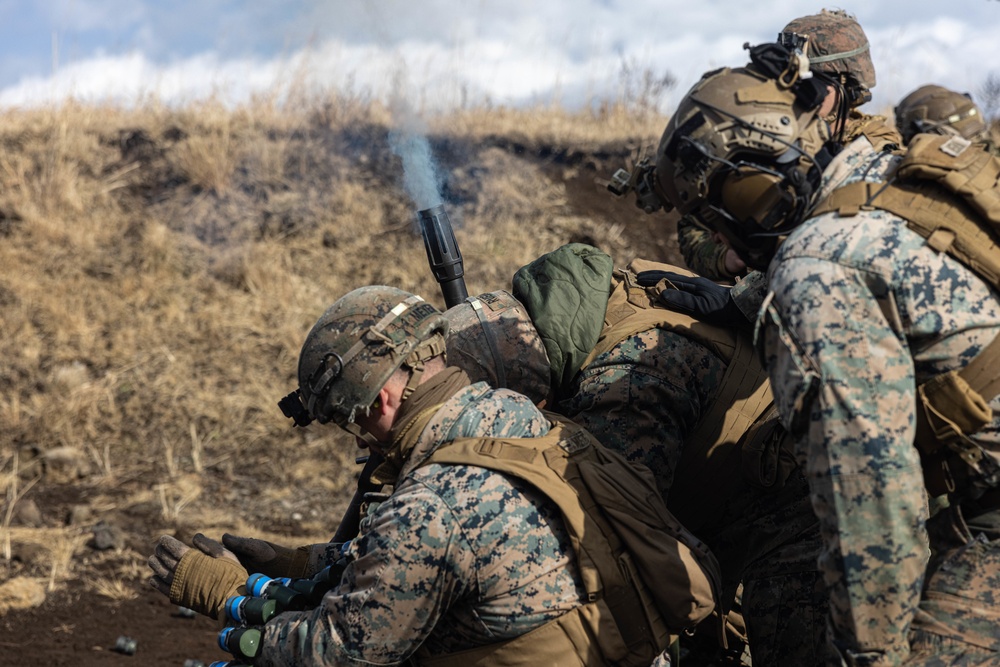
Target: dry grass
{"x":160,"y":267}
{"x":112,"y":588}
{"x":59,"y":547}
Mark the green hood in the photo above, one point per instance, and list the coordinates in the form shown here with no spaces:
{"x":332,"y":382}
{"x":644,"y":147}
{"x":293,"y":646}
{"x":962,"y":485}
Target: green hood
{"x":566,"y":293}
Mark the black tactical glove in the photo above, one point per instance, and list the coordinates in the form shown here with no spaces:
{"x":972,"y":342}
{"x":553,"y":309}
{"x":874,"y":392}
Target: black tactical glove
{"x":698,"y":297}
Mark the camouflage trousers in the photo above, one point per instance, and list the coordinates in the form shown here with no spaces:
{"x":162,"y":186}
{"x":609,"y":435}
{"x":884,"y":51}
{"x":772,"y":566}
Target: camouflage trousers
{"x":786,"y":619}
{"x":958,"y":622}
{"x":771,"y":547}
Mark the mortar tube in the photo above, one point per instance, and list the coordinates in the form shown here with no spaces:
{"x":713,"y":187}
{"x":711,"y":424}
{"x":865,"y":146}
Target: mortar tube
{"x":443,"y":255}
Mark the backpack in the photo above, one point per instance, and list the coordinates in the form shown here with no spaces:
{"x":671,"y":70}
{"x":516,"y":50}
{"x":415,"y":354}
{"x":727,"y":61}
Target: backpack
{"x":646,"y":576}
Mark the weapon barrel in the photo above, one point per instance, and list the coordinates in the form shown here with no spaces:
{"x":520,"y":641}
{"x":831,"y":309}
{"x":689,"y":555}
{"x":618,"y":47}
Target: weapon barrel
{"x":443,"y":254}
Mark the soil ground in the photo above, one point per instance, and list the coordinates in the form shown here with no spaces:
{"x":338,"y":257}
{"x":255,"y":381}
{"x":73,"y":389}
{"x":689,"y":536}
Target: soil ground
{"x":82,"y":630}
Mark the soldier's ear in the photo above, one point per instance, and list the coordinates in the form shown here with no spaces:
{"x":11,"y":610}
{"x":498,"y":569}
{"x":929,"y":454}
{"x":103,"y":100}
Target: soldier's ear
{"x":381,"y":403}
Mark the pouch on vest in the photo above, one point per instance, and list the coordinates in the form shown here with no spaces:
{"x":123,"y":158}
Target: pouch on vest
{"x":767,"y":452}
{"x":948,"y":411}
{"x":959,"y":166}
{"x":682,"y":573}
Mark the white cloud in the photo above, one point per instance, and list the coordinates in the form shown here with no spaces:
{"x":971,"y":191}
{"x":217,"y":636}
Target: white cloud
{"x":508,"y":52}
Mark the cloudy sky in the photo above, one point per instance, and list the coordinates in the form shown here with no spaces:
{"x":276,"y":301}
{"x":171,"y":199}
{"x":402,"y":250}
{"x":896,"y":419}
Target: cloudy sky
{"x":442,"y":53}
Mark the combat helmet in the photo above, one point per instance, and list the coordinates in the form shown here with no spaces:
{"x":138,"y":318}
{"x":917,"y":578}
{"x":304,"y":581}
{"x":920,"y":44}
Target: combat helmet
{"x":937,"y":110}
{"x":743,"y":154}
{"x":837,"y":48}
{"x":356,"y":346}
{"x":492,"y":338}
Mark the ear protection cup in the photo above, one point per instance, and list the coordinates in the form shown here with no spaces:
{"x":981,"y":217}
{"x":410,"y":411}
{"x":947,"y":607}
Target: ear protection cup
{"x":750,"y":195}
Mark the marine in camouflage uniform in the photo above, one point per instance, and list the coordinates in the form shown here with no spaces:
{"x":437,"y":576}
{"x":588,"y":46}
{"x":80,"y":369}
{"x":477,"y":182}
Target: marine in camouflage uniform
{"x":838,"y":48}
{"x":648,"y":397}
{"x":864,"y":311}
{"x":457,"y":557}
{"x":861,"y":312}
{"x":645,"y":398}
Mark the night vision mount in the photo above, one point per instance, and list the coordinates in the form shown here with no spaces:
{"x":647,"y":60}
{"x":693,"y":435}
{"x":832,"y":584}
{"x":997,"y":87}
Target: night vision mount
{"x":292,"y":407}
{"x":640,"y":181}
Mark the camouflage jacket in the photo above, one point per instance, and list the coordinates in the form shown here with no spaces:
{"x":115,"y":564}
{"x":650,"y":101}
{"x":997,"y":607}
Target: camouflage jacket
{"x":860,"y":311}
{"x":457,"y":557}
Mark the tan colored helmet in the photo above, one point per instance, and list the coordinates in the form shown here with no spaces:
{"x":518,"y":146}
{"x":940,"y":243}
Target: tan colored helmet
{"x":743,"y":154}
{"x":492,"y":338}
{"x":837,"y":45}
{"x":937,"y":110}
{"x":356,"y":346}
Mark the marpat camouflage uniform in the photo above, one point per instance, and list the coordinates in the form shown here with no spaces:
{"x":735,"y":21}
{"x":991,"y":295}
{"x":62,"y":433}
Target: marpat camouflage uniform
{"x":457,"y":557}
{"x":643,"y":398}
{"x":861,"y":310}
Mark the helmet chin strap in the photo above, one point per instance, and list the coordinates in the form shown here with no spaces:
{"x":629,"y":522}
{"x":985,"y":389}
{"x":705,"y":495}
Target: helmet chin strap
{"x":357,"y":431}
{"x":842,"y":107}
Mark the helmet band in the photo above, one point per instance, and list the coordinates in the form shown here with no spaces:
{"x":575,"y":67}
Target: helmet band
{"x":490,"y":335}
{"x":839,"y":56}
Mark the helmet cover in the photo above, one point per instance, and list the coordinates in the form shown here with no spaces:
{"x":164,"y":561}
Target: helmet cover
{"x":358,"y":343}
{"x":837,"y":44}
{"x":492,"y":338}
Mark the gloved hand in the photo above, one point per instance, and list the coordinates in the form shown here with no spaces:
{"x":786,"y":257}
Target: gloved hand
{"x":698,"y":297}
{"x":201,"y":579}
{"x":275,"y":560}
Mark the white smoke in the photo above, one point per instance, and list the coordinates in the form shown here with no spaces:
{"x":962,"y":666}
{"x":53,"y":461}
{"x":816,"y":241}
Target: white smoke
{"x":420,"y":175}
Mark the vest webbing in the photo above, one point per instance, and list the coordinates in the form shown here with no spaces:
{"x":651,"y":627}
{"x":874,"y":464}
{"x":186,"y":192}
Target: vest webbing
{"x":947,"y":222}
{"x":711,"y":455}
{"x":620,"y":617}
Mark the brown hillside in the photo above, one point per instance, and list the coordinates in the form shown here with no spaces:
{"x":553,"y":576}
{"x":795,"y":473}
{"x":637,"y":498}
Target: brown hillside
{"x":159,"y":269}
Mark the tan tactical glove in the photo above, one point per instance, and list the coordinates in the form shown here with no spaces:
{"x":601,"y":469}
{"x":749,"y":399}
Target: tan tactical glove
{"x":275,"y":560}
{"x":201,"y":579}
